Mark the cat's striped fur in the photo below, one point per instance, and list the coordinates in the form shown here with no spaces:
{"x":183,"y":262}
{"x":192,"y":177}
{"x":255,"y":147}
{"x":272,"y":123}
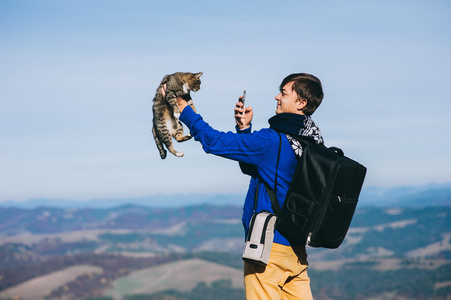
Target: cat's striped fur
{"x":166,"y":124}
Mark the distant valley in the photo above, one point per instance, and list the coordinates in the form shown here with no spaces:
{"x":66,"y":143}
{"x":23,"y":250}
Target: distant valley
{"x":128,"y":251}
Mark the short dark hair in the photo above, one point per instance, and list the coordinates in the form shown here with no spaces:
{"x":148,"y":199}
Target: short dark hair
{"x":307,"y":87}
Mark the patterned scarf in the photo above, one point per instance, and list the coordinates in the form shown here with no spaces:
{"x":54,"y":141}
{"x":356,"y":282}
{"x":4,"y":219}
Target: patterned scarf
{"x":296,"y":125}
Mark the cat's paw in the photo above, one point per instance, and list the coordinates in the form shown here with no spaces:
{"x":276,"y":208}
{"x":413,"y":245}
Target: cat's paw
{"x":183,"y":138}
{"x":179,"y":154}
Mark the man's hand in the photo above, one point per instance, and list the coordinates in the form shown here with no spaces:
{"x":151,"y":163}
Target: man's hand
{"x":180,"y":101}
{"x":243,"y":115}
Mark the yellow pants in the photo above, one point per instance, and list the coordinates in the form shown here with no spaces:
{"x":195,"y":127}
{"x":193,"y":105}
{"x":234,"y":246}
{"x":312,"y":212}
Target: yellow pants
{"x":285,"y":277}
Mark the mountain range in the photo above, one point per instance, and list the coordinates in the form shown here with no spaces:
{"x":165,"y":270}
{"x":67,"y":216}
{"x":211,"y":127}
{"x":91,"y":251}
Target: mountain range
{"x":417,"y":196}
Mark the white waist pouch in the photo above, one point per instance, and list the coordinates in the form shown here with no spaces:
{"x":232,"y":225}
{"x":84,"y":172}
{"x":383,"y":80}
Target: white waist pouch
{"x":260,"y":238}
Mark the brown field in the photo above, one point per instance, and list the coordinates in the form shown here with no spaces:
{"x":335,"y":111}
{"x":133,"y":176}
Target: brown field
{"x":37,"y":288}
{"x":381,"y":264}
{"x":68,"y":236}
{"x":444,"y":245}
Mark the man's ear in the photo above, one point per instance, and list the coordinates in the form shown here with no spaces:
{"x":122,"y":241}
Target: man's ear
{"x":302,"y":103}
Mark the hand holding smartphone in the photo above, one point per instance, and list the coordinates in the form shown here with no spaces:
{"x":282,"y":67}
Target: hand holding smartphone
{"x":243,"y":114}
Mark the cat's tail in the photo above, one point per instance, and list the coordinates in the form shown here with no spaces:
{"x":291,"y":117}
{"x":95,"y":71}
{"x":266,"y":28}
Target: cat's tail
{"x":159,"y":144}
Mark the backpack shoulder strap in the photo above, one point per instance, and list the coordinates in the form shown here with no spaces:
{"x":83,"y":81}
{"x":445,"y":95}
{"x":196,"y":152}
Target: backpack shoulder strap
{"x":272,"y":192}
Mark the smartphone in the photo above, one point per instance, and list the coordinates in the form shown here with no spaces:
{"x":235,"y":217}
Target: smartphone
{"x":243,"y":99}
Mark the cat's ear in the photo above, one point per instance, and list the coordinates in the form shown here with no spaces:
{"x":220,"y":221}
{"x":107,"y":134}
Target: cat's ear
{"x":199,"y":74}
{"x":165,"y":79}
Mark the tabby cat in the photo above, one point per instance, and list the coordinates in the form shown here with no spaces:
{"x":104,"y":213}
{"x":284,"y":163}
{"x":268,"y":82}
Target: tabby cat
{"x":166,"y":124}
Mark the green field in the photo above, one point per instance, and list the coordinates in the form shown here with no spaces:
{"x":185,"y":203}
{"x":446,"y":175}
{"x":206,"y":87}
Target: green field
{"x":181,"y":275}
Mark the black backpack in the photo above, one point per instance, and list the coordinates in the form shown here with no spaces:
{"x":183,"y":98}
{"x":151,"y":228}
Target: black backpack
{"x":322,"y":196}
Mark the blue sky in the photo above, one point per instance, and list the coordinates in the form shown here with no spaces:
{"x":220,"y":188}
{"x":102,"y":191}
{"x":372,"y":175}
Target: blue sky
{"x":77,"y":79}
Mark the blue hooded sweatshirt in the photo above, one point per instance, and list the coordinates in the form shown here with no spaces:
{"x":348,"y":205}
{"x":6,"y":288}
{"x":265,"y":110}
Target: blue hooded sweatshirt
{"x":257,"y":154}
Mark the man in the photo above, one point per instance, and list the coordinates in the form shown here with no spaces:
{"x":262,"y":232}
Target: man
{"x":285,"y":276}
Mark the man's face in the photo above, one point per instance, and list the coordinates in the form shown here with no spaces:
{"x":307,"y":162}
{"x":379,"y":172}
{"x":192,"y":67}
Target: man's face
{"x":288,"y":102}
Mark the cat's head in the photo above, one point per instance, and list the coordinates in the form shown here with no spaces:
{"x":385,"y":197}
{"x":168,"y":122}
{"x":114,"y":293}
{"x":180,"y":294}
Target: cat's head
{"x":194,"y":81}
